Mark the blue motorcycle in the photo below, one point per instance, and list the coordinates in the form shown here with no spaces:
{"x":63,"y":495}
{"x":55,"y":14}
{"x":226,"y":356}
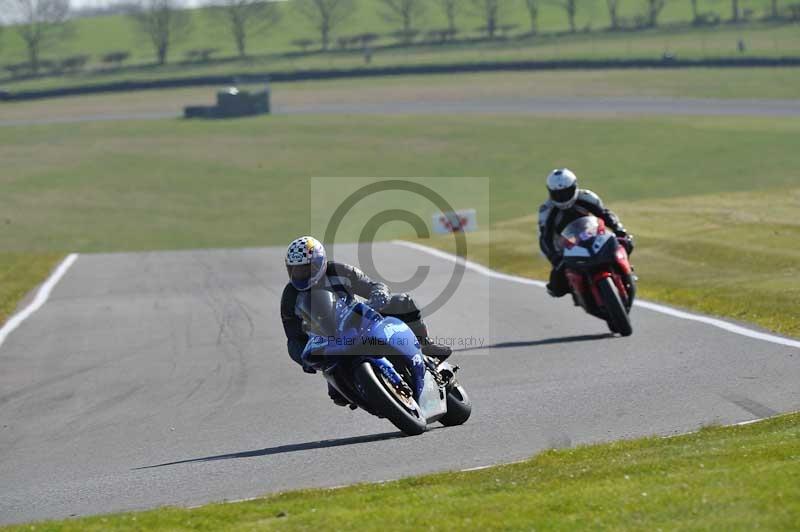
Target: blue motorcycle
{"x":375,"y":363}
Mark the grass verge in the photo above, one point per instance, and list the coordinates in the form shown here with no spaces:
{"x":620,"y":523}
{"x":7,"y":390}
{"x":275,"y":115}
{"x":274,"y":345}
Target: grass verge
{"x":180,"y":185}
{"x":722,"y":254}
{"x":19,"y":274}
{"x":720,"y":478}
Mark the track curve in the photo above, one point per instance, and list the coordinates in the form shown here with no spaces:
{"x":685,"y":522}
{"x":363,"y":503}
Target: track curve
{"x":162,"y":378}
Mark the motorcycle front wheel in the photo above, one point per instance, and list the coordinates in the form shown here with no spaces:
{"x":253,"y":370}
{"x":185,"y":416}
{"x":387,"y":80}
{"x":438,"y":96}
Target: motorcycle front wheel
{"x":404,"y":413}
{"x":617,"y":316}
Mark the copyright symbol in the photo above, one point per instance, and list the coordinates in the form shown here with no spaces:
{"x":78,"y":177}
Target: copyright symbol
{"x":372,"y":226}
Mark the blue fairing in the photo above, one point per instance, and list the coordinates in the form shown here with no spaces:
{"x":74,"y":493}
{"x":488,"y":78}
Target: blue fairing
{"x":363,"y":332}
{"x":395,"y":334}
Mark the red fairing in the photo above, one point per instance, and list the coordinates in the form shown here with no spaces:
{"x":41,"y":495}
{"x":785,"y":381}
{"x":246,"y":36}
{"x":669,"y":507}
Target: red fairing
{"x":621,"y":287}
{"x":622,"y":260}
{"x":596,"y":278}
{"x":599,"y":276}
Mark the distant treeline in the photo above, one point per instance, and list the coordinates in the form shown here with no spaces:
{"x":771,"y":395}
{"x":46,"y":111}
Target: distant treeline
{"x":44,"y":24}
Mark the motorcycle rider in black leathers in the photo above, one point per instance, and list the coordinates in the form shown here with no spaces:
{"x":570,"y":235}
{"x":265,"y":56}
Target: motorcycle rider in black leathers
{"x":566,"y":203}
{"x":308,"y":268}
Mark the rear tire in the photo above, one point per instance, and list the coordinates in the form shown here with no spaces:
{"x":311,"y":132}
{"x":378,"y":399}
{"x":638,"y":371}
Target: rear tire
{"x":618,"y":319}
{"x":459,"y":407}
{"x":382,"y":400}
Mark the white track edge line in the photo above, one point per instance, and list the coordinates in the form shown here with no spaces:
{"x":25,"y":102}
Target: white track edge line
{"x":714,"y":322}
{"x":40,"y":299}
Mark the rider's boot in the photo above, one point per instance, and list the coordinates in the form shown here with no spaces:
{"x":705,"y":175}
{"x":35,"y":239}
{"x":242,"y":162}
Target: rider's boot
{"x":336,"y":397}
{"x":401,"y":306}
{"x":558,"y":286}
{"x":429,"y":347}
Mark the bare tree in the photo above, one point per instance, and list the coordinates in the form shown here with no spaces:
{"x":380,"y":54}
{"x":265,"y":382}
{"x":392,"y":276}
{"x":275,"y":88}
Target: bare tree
{"x":773,"y":9}
{"x":326,"y":15}
{"x":490,"y":10}
{"x":570,"y":7}
{"x":247,"y":17}
{"x":404,"y":11}
{"x":163,"y":23}
{"x":613,"y":13}
{"x":654,"y":8}
{"x":450,"y":8}
{"x":533,"y":13}
{"x":39,"y":22}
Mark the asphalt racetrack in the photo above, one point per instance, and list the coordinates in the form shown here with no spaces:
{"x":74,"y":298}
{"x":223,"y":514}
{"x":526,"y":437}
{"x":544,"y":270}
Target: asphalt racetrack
{"x":162,"y":379}
{"x":627,"y":106}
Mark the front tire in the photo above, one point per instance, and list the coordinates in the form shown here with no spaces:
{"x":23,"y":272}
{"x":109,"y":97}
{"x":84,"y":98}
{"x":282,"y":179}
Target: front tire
{"x":384,"y":402}
{"x":459,"y":407}
{"x":617,"y":316}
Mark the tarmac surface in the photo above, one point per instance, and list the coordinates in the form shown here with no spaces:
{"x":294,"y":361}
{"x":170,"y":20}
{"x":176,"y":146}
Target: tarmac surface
{"x":162,"y":378}
{"x":524,"y":105}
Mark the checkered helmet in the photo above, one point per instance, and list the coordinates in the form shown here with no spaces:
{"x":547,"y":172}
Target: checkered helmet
{"x":305,"y":262}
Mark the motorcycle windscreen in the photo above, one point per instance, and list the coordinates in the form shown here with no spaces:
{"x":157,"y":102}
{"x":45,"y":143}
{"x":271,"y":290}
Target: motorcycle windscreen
{"x":318,"y":310}
{"x":579,"y":231}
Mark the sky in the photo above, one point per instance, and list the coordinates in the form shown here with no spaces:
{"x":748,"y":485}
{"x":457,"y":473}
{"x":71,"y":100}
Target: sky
{"x":12,"y":17}
{"x":103,"y":3}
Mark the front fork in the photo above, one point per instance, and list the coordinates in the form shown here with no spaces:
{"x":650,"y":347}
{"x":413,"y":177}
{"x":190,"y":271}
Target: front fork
{"x":625,"y":294}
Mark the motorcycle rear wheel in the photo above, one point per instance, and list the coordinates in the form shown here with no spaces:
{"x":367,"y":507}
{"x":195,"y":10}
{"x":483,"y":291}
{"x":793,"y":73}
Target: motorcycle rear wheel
{"x":386,"y":402}
{"x":617,"y":316}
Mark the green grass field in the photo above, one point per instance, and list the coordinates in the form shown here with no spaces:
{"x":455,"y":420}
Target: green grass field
{"x":175,"y":185}
{"x":762,"y":41}
{"x":735,"y":478}
{"x":97,"y":36}
{"x":19,"y":272}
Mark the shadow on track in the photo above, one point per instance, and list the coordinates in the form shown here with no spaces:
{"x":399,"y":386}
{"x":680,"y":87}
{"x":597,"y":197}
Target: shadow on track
{"x":280,"y":449}
{"x":546,"y":341}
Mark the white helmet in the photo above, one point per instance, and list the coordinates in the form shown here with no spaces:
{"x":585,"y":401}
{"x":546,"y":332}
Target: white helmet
{"x":305,"y":262}
{"x":562,"y":186}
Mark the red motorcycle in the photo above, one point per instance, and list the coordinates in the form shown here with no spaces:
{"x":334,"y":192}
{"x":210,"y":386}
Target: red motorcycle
{"x":598,"y":271}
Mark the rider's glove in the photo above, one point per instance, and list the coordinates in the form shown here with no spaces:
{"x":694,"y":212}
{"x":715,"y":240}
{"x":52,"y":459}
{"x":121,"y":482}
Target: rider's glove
{"x":379,"y":297}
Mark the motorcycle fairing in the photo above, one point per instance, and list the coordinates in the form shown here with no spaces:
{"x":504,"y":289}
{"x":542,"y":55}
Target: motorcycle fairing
{"x":585,"y":246}
{"x":374,"y":339}
{"x":395,"y":335}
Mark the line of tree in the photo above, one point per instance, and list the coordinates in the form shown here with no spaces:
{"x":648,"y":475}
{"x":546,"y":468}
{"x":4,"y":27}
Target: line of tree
{"x":247,"y":17}
{"x":43,"y":23}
